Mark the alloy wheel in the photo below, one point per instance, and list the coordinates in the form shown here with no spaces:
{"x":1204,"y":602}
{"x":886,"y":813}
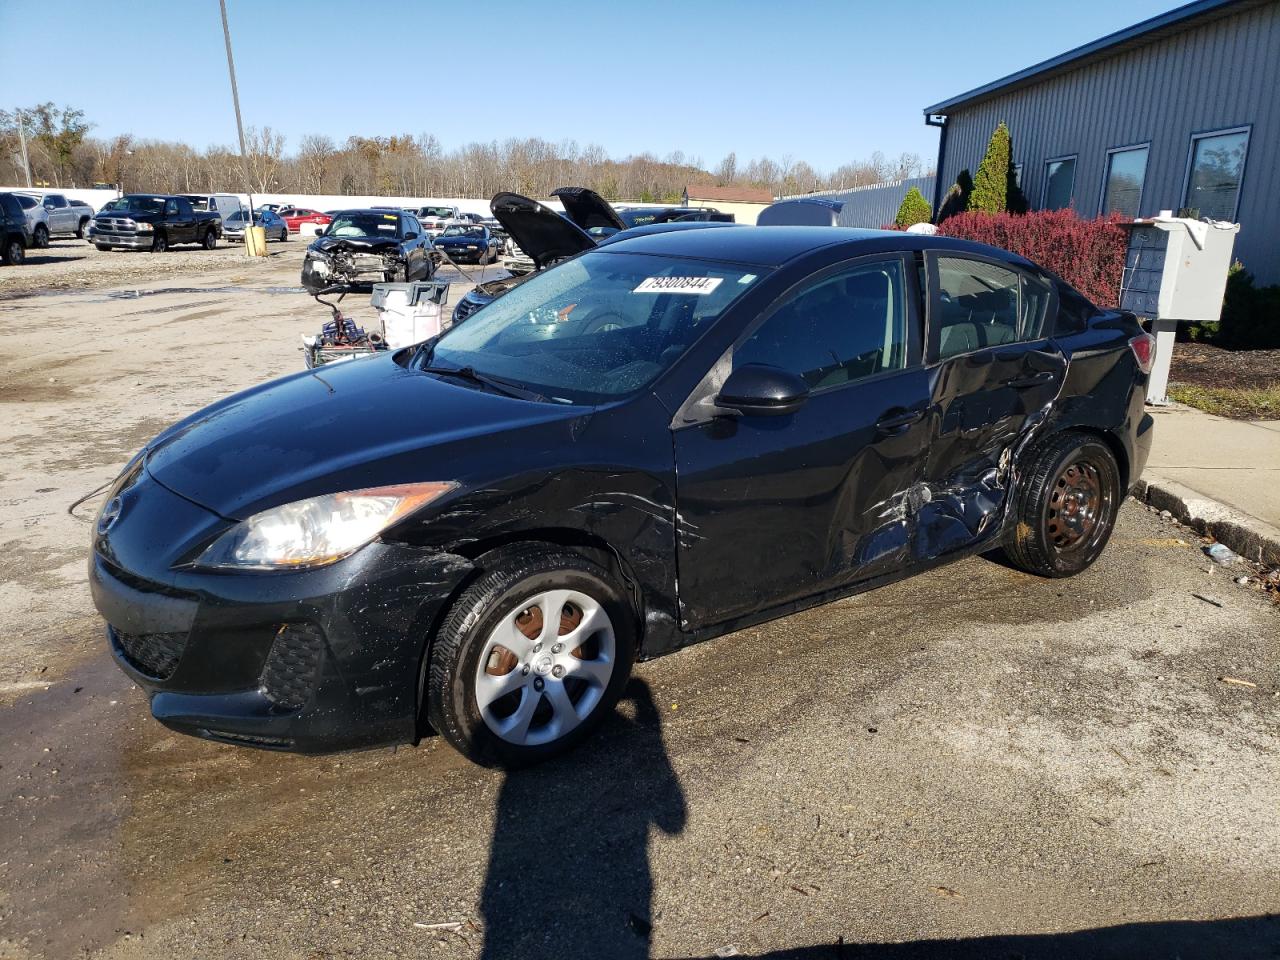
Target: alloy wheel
{"x":545,"y":667}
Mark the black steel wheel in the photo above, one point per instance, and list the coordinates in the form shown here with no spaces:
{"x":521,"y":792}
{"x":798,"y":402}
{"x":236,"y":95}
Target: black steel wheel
{"x":531,"y":657}
{"x":1064,"y":506}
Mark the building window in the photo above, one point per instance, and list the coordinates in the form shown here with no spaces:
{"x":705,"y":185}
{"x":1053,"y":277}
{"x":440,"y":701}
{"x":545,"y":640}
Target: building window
{"x":1126,"y":171}
{"x":1059,"y":181}
{"x":1215,"y":172}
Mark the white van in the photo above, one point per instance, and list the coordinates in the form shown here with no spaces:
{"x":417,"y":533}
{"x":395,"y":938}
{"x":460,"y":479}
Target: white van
{"x":224,"y":204}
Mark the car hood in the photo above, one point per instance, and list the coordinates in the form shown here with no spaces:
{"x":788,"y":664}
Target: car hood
{"x":588,"y":209}
{"x":454,"y":241}
{"x":346,"y":426}
{"x":539,"y":231}
{"x":358,"y":244}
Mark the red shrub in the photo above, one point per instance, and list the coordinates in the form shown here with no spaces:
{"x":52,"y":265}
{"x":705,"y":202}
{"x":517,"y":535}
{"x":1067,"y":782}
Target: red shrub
{"x":1088,"y":254}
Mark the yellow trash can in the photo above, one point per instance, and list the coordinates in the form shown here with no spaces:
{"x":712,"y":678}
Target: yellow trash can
{"x":255,"y":242}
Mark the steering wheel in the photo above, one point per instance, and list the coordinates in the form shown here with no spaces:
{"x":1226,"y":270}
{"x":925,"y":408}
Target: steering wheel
{"x":600,"y":322}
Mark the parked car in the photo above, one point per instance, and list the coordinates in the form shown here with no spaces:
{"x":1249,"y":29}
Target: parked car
{"x":295,"y":217}
{"x":63,"y":216}
{"x":435,"y":218}
{"x":223,"y":204}
{"x":468,"y":243}
{"x":15,"y":233}
{"x":362,"y":247}
{"x":144,"y":221}
{"x":272,"y":224}
{"x":643,"y":216}
{"x":37,"y":219}
{"x":481,"y":534}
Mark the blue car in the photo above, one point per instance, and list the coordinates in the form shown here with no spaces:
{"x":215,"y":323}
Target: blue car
{"x":468,"y":243}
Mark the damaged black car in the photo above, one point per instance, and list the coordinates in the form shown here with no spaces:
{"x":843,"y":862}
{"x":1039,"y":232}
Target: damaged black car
{"x":654,"y":443}
{"x":362,"y":247}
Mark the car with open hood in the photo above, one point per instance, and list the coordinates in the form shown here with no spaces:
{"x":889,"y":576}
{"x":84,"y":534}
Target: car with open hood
{"x":652,"y":443}
{"x":359,"y":248}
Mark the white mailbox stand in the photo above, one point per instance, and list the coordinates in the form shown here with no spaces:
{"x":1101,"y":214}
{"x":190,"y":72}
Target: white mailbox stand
{"x":1175,"y":270}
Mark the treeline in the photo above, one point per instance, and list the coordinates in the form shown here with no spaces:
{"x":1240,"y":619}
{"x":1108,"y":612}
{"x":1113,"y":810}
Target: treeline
{"x":63,"y":154}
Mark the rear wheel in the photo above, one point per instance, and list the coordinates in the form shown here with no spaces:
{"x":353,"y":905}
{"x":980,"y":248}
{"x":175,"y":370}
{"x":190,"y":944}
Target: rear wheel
{"x":1065,"y":506}
{"x":530,"y":658}
{"x":40,"y":237}
{"x":159,"y":243}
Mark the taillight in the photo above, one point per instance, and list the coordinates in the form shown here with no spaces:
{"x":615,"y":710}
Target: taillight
{"x":1144,"y":350}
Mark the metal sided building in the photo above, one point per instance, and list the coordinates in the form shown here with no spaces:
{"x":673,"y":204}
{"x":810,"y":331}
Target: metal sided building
{"x":1179,"y":112}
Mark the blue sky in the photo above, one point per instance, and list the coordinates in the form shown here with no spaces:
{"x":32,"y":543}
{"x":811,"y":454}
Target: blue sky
{"x":823,"y":81}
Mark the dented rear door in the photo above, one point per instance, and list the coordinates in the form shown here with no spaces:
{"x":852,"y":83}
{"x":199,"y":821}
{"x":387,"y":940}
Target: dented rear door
{"x":994,"y":376}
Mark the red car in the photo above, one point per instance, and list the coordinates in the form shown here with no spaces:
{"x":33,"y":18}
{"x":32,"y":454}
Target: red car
{"x":295,"y":217}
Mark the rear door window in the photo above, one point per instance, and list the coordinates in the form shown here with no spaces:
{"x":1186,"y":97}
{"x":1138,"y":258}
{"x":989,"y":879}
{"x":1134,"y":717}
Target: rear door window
{"x":981,"y":304}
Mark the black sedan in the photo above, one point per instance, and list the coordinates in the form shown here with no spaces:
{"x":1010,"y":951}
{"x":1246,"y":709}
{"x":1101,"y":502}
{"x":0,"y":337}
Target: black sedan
{"x":362,"y":247}
{"x":467,"y":243}
{"x":481,"y":534}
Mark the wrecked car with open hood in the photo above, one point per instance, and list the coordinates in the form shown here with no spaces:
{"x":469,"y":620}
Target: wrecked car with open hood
{"x":656,"y":442}
{"x":359,"y":248}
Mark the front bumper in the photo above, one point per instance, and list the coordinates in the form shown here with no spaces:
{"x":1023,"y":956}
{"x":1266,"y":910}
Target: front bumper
{"x":130,"y":241}
{"x":308,"y":661}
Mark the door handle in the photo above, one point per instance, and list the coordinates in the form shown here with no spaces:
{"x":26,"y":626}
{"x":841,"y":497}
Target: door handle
{"x":1029,"y":380}
{"x":898,"y":422}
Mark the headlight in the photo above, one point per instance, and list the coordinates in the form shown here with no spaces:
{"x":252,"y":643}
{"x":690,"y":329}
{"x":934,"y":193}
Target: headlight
{"x":472,"y":246}
{"x":315,"y":532}
{"x":144,"y":228}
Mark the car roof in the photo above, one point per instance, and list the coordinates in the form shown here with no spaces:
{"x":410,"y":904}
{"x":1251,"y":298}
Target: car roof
{"x":774,"y":246}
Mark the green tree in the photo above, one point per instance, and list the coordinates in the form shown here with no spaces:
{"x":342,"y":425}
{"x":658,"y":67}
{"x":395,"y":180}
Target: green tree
{"x":991,"y":184}
{"x":913,"y":209}
{"x":956,"y":199}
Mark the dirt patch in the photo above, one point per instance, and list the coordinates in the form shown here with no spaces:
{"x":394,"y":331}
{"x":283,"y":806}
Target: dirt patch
{"x":1241,"y":384}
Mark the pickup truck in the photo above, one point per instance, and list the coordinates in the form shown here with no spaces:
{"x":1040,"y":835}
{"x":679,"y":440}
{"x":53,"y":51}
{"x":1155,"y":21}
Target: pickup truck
{"x":435,"y":218}
{"x":62,"y":216}
{"x":142,"y":221}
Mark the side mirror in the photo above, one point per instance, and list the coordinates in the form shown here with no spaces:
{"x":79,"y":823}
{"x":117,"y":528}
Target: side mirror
{"x":411,"y":235}
{"x":760,"y":391}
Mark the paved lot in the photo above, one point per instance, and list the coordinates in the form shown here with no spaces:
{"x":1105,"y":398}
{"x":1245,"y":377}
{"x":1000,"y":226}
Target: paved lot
{"x":1034,"y":768}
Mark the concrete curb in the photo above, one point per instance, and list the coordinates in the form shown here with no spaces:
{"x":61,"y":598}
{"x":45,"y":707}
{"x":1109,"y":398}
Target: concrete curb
{"x":1248,"y":536}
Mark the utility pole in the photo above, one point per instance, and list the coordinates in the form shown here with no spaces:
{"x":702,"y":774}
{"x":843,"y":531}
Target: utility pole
{"x":22,"y":139}
{"x":235,"y":98}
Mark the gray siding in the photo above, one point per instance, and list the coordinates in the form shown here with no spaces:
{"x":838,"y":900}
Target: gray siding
{"x":1224,"y":73}
{"x":875,"y":206}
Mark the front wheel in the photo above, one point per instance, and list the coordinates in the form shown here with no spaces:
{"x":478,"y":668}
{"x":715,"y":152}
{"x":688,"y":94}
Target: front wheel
{"x":159,"y":243}
{"x":530,"y":658}
{"x":82,"y":231}
{"x":40,"y":237}
{"x":14,"y":251}
{"x":1064,"y":506}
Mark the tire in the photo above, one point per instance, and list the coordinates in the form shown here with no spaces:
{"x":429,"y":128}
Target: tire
{"x":284,"y":235}
{"x":536,"y":697}
{"x":210,"y":241}
{"x":82,"y":231}
{"x":159,"y":243}
{"x":14,"y":252}
{"x":102,"y":246}
{"x":40,"y":237}
{"x":1064,"y":507}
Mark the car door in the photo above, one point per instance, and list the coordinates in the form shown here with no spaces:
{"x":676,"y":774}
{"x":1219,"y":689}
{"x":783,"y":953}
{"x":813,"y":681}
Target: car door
{"x":180,"y":226}
{"x":59,"y":212}
{"x":772,"y":509}
{"x":994,"y":373}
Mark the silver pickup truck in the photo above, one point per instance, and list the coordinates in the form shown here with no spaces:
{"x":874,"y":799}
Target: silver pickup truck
{"x":62,"y":217}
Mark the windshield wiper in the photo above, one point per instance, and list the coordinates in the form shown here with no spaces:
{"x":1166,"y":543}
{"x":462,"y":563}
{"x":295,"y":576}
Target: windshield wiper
{"x":510,"y":388}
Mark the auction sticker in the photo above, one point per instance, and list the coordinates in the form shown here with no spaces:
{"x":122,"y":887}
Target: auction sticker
{"x":698,"y":285}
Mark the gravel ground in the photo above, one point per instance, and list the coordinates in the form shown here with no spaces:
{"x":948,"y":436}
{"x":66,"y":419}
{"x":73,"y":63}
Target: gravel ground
{"x":970,"y":763}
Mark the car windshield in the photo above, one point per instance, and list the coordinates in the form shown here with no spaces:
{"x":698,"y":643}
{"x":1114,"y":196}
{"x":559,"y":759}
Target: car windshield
{"x":463,"y":231}
{"x":436,"y":212}
{"x":136,"y":204}
{"x":358,"y":224}
{"x":595,"y":328}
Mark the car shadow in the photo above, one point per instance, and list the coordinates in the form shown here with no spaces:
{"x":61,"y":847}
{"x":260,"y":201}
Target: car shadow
{"x":1238,"y":938}
{"x":568,"y":873}
{"x":54,"y":256}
